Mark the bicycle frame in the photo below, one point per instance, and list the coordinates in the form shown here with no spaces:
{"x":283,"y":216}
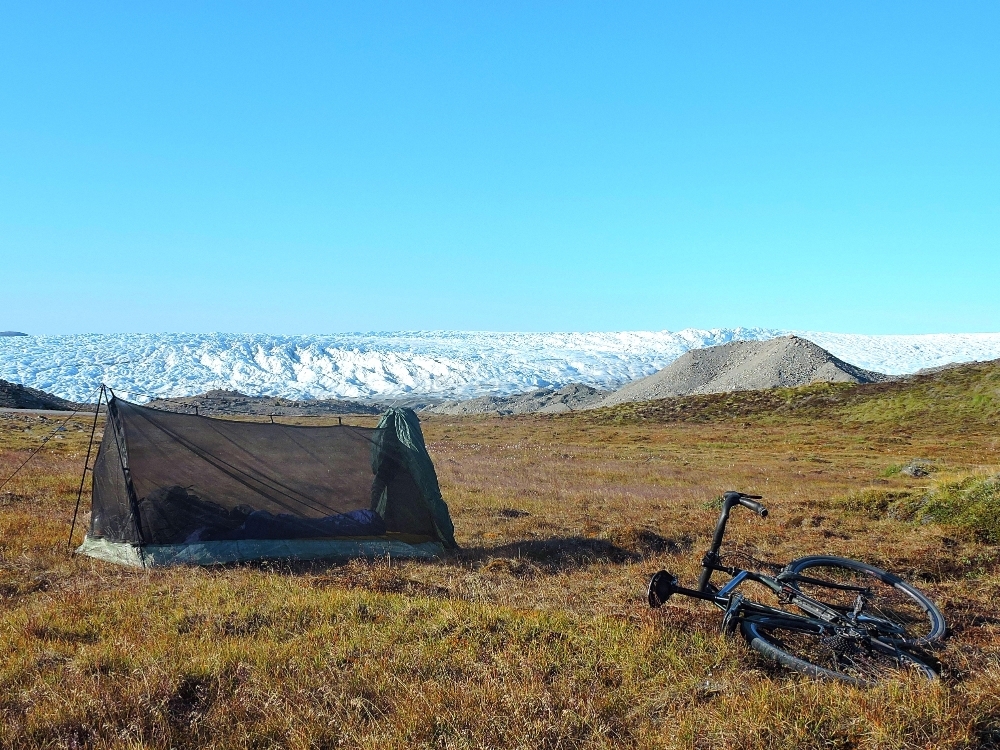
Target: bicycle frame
{"x":853,"y":645}
{"x":819,"y":617}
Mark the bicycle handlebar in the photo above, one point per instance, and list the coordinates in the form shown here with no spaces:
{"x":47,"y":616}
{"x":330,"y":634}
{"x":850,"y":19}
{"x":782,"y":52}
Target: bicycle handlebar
{"x":756,"y":507}
{"x":747,"y":501}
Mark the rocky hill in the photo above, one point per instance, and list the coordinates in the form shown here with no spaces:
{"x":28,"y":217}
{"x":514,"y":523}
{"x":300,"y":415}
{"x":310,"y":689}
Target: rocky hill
{"x":14,"y":396}
{"x":787,"y":361}
{"x":220,"y":403}
{"x":543,"y":400}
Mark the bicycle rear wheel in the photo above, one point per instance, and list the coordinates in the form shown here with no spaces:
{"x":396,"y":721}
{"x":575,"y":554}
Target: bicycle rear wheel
{"x":887,"y":597}
{"x":835,"y":654}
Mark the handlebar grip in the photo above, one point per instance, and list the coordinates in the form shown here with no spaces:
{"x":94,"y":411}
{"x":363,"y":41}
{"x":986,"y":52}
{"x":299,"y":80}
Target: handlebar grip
{"x":753,"y":505}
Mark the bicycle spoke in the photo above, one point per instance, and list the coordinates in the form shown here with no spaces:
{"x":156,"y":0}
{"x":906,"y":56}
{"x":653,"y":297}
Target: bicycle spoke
{"x":843,"y":654}
{"x":881,"y":600}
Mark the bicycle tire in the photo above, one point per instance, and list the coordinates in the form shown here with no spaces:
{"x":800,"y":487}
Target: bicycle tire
{"x":859,"y":662}
{"x":892,"y":598}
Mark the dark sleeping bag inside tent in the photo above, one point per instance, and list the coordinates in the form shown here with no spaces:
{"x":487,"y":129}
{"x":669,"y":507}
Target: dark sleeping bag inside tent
{"x":179,"y":488}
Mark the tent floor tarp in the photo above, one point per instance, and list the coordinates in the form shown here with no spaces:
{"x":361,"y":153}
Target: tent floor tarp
{"x":243,"y":550}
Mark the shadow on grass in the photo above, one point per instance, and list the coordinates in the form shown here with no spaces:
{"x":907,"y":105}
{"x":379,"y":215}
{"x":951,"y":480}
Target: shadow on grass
{"x":551,"y":555}
{"x":544,"y":555}
{"x":572,"y":552}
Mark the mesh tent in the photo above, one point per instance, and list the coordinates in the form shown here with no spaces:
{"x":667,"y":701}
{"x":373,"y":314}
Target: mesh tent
{"x":173,"y":488}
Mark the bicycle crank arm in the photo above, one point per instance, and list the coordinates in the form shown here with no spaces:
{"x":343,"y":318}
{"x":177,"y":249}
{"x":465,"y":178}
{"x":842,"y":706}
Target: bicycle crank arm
{"x":663,"y":585}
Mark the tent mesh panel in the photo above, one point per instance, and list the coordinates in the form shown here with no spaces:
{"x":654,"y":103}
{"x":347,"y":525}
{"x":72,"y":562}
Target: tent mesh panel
{"x":167,"y":478}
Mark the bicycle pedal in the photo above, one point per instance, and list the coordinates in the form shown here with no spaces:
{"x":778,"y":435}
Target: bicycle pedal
{"x":661,"y":588}
{"x":734,"y":612}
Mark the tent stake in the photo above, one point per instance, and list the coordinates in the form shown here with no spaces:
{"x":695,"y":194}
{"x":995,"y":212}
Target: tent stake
{"x":86,"y":463}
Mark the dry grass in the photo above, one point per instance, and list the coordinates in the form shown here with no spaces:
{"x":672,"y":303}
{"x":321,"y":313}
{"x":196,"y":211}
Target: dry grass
{"x":536,"y":634}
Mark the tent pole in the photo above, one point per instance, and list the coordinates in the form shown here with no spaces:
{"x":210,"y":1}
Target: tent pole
{"x":86,"y":463}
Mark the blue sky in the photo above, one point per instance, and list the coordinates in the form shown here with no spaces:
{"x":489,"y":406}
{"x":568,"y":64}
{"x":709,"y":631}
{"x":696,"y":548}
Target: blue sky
{"x":310,"y":168}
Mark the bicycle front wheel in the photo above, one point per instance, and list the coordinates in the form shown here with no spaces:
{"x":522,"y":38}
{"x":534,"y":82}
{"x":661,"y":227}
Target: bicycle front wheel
{"x":912,"y":618}
{"x":835,"y":654}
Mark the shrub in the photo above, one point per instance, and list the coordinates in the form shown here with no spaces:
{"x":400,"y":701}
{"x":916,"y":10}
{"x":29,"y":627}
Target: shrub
{"x":972,"y":503}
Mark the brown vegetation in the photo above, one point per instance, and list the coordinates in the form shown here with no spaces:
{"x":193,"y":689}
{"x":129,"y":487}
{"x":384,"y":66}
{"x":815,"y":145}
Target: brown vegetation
{"x":536,"y":633}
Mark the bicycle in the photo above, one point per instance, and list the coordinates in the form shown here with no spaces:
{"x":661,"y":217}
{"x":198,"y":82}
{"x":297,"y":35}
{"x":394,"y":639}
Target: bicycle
{"x":854,"y":622}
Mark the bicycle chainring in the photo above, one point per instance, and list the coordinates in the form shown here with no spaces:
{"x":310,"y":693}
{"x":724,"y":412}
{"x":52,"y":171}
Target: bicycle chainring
{"x":734,"y":613}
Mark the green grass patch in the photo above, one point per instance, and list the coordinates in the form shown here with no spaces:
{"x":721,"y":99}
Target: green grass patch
{"x":972,"y":504}
{"x":960,"y":397}
{"x":969,"y":394}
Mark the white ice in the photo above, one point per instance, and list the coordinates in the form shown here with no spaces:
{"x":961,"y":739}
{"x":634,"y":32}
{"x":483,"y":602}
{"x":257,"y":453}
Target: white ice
{"x":381,"y":366}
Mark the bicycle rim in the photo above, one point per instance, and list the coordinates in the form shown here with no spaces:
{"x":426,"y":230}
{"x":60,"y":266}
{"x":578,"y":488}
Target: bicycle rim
{"x":833,"y":655}
{"x":889,"y":598}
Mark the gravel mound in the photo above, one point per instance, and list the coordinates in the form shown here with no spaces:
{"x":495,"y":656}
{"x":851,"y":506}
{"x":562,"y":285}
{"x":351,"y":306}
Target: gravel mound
{"x":14,"y":396}
{"x":544,"y":401}
{"x":787,"y":361}
{"x":219,"y":403}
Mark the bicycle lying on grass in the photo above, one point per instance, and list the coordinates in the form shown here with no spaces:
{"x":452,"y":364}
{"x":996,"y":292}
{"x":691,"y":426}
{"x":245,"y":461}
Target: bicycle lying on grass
{"x":835,"y":618}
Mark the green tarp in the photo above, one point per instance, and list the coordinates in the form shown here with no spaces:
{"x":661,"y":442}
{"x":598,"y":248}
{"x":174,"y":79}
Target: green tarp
{"x":402,"y":427}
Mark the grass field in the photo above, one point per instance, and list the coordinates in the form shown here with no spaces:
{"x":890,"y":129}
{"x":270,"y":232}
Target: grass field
{"x":536,"y":634}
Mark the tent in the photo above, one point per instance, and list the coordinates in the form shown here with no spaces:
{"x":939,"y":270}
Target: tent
{"x":173,"y":488}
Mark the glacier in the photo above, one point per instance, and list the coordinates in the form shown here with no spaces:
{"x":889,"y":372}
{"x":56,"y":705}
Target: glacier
{"x":433,"y":364}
